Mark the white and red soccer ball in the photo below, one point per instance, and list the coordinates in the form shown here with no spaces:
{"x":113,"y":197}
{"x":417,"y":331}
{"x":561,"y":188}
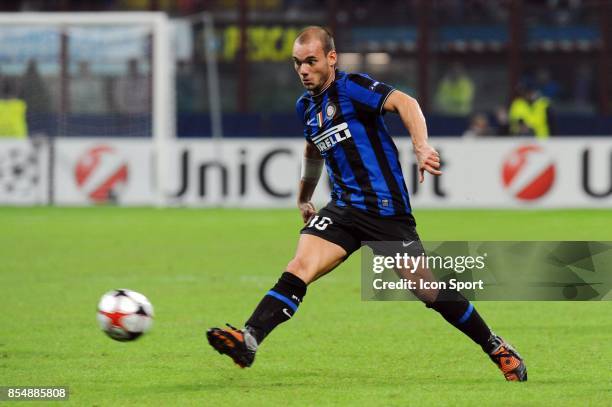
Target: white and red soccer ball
{"x":124,"y":315}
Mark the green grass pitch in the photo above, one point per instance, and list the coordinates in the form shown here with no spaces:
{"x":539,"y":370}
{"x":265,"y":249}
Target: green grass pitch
{"x":202,"y":268}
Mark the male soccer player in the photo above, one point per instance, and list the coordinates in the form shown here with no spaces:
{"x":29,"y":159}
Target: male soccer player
{"x":343,"y":125}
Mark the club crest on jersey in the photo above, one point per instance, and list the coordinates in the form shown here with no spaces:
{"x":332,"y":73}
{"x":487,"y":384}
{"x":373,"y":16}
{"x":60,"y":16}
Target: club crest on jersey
{"x":330,"y":110}
{"x":320,"y":119}
{"x":332,"y":136}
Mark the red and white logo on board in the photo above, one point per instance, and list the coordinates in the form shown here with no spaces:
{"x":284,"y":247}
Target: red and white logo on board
{"x":102,"y":174}
{"x":528,"y":172}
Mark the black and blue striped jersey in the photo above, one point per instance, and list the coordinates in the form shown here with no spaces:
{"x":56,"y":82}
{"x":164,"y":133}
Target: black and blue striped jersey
{"x":345,"y":123}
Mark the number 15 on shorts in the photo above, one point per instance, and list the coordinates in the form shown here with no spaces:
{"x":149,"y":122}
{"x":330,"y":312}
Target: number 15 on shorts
{"x":320,"y":222}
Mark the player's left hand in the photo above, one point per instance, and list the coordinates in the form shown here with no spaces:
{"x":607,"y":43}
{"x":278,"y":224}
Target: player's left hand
{"x":428,"y":160}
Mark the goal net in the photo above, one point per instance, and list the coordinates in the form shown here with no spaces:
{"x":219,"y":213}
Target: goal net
{"x":79,"y":75}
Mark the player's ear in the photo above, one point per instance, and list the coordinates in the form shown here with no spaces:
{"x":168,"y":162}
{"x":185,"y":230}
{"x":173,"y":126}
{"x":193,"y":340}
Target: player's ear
{"x":332,"y":58}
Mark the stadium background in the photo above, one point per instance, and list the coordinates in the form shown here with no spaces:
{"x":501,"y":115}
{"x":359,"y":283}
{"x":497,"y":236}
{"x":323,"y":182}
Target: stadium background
{"x":225,"y":137}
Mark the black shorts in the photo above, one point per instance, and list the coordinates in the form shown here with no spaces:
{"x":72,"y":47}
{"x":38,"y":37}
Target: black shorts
{"x":348,"y":227}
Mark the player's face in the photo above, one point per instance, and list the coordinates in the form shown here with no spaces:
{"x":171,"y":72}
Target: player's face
{"x":314,"y":68}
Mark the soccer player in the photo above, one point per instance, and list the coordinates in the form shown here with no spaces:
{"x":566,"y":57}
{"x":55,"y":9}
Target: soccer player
{"x":342,"y":114}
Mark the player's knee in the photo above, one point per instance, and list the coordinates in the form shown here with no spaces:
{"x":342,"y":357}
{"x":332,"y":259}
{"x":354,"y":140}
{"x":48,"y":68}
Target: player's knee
{"x":300,"y":268}
{"x":427,"y":296}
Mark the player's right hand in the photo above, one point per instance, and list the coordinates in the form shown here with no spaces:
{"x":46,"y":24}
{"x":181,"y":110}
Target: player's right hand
{"x":428,"y":159}
{"x":307,"y":210}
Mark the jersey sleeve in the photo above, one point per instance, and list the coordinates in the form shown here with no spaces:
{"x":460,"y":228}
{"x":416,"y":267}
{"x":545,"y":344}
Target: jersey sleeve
{"x":369,"y":93}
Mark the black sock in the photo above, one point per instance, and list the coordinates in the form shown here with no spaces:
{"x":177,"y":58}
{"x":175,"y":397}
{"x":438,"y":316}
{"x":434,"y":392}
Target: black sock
{"x":459,"y":312}
{"x":277,"y":306}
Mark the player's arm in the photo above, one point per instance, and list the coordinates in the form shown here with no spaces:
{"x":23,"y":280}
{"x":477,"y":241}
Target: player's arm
{"x":312,"y":164}
{"x":410,"y":112}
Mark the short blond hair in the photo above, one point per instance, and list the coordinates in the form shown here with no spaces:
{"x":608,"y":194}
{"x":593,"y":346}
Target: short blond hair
{"x":315,"y":32}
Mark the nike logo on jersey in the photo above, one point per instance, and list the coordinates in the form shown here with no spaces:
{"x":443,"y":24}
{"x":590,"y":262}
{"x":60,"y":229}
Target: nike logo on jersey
{"x":286,"y":312}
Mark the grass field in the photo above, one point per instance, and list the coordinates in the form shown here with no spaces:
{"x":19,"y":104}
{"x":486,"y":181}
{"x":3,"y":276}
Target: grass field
{"x":202,"y":268}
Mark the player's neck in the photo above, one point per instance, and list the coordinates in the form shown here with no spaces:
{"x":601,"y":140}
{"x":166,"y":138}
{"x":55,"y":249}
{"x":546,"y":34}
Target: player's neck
{"x":323,"y":88}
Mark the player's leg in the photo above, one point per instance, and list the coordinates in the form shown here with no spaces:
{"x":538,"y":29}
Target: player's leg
{"x":314,"y":258}
{"x":450,"y":304}
{"x":462,"y":314}
{"x":324,"y":243}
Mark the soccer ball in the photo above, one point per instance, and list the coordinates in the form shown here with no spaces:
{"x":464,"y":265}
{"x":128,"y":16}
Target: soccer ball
{"x":124,"y":315}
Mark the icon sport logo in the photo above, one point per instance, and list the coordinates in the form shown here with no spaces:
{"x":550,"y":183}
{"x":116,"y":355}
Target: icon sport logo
{"x":101,"y":173}
{"x":528,"y":172}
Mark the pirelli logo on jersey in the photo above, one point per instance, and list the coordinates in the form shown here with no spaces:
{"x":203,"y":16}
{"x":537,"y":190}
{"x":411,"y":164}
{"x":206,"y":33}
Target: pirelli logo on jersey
{"x":332,"y":136}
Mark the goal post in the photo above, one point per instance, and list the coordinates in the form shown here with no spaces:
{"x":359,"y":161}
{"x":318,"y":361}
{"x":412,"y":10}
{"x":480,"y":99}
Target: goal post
{"x":161,"y":104}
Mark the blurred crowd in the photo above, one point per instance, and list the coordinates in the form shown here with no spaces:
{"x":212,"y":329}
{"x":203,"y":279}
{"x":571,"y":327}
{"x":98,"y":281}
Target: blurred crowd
{"x":530,"y":112}
{"x":32,"y":101}
{"x":85,"y":91}
{"x":464,"y":80}
{"x":445,"y":11}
